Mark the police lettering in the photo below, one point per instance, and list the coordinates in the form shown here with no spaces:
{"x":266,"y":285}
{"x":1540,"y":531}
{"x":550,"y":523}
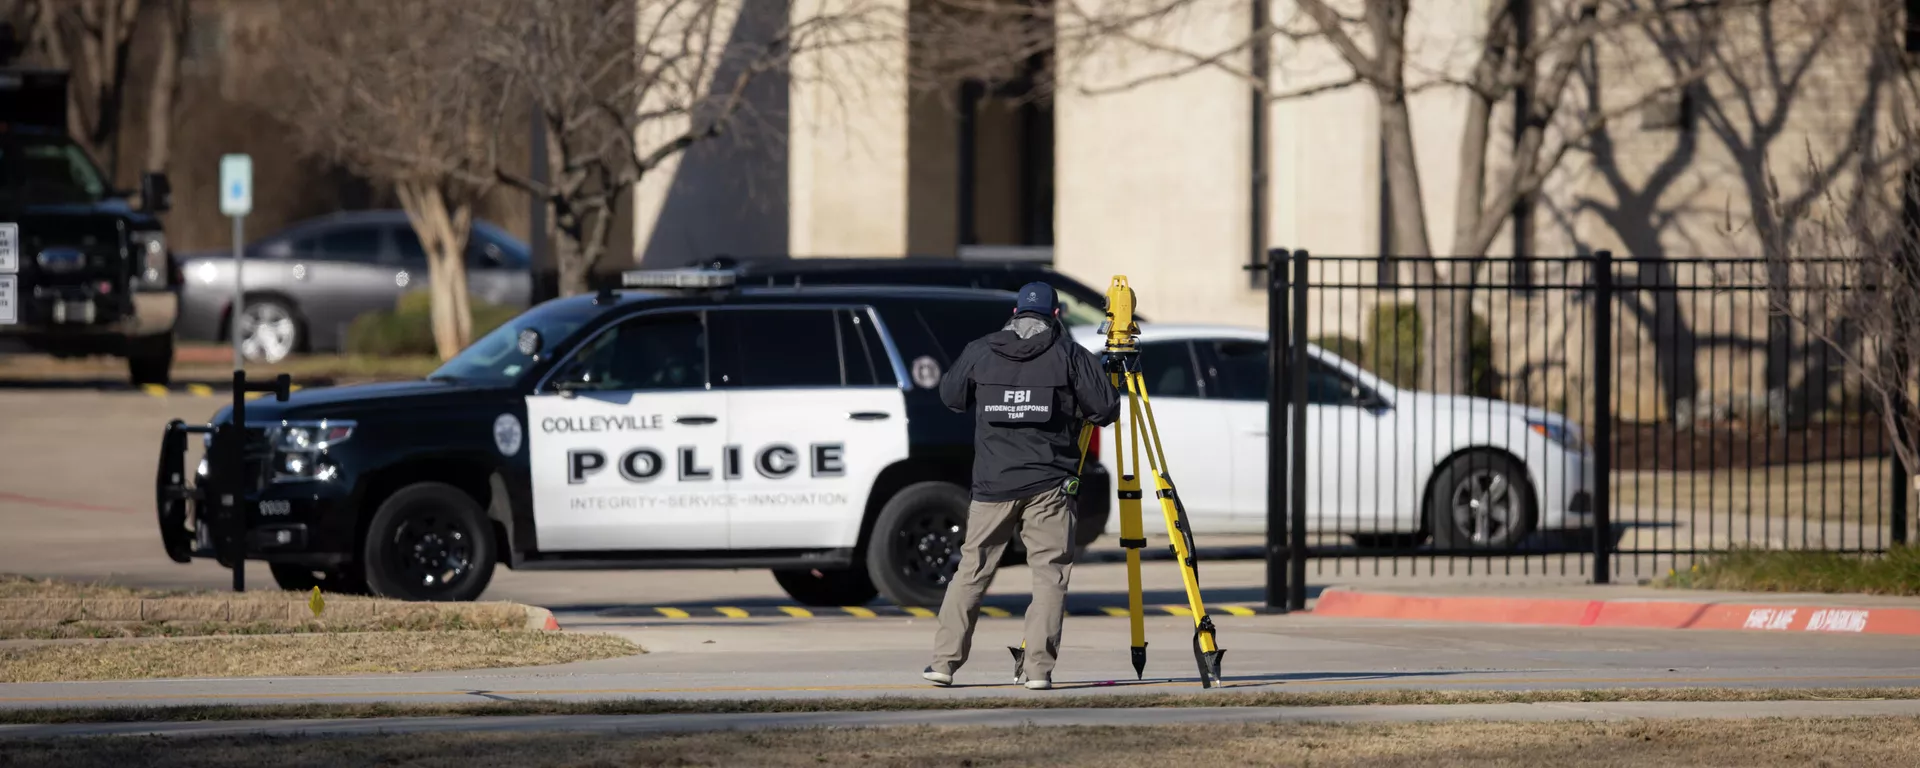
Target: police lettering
{"x":642,"y":465}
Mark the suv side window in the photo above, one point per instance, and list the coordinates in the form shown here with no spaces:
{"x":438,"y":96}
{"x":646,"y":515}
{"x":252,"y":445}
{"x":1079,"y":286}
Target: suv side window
{"x":955,"y":324}
{"x":1241,"y":367}
{"x":661,"y":351}
{"x":862,"y":352}
{"x":777,"y":348}
{"x":1169,"y":370}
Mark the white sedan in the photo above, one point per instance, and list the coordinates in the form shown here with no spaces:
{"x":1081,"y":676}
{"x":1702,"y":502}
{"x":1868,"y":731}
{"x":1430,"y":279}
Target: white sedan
{"x":1385,"y":466}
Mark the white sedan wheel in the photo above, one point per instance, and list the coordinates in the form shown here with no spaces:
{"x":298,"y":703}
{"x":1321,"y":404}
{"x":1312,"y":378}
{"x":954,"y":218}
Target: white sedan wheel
{"x":267,"y":332}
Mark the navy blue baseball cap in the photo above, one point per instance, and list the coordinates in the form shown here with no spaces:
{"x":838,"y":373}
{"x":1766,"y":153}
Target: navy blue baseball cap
{"x":1035,"y":297}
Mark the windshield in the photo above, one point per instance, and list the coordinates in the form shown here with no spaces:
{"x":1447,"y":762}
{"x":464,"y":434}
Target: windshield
{"x":496,"y":360}
{"x":47,"y":170}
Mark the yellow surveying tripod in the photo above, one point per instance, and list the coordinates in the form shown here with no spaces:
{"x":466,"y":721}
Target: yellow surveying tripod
{"x":1122,"y":362}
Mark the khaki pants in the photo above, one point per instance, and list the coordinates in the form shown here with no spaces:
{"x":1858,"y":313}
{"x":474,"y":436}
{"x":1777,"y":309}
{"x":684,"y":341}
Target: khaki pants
{"x":1048,"y":535}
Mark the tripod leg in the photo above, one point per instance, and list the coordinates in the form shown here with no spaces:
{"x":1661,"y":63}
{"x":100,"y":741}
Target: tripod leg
{"x":1207,"y":655}
{"x":1133,"y":537}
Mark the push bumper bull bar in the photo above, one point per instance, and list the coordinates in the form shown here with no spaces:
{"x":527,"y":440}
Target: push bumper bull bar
{"x":217,"y":500}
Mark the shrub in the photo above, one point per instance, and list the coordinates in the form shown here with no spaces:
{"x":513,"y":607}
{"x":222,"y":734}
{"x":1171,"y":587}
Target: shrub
{"x":1394,"y":349}
{"x":407,"y":329}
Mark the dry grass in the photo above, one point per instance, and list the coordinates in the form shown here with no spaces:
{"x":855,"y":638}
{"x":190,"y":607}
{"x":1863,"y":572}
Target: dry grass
{"x":641,"y":706}
{"x":1895,"y":573}
{"x":285,"y":655}
{"x":52,"y":609}
{"x":1770,"y":742}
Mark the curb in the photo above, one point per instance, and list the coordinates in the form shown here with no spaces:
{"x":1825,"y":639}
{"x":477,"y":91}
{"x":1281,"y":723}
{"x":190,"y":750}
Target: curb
{"x":541,"y":620}
{"x":1622,"y":614}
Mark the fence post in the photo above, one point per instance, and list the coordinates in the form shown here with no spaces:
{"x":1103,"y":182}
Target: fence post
{"x":1278,"y":376}
{"x":1603,"y":416}
{"x":1297,"y":480}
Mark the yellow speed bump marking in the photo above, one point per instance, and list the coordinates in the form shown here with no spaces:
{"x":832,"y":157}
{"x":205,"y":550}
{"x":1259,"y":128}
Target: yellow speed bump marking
{"x":920,"y":612}
{"x":862,"y":612}
{"x":731,"y":612}
{"x":796,"y":612}
{"x":1177,"y":610}
{"x":154,"y":389}
{"x":200,"y":390}
{"x":998,"y":613}
{"x":672,"y":613}
{"x":1112,"y":611}
{"x":1237,"y":610}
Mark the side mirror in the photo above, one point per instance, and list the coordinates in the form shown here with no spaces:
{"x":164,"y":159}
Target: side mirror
{"x":156,"y":194}
{"x":575,"y":377}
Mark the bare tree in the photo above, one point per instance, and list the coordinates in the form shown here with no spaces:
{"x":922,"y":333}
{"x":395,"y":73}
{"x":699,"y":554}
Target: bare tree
{"x":1527,"y":53}
{"x":1852,"y":251}
{"x":171,"y":17}
{"x":89,"y":39}
{"x":623,"y":86}
{"x":392,"y":91}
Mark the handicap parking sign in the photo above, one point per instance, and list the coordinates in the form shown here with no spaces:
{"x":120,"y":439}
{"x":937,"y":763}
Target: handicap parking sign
{"x":236,"y":185}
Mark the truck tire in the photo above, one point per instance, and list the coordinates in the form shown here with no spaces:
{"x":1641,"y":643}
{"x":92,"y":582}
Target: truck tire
{"x":915,"y":545}
{"x":429,"y":542}
{"x":150,"y":361}
{"x":342,"y":580}
{"x":827,"y":588}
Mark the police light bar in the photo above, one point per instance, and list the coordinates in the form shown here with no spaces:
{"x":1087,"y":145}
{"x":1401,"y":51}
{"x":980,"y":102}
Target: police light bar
{"x":684,"y":277}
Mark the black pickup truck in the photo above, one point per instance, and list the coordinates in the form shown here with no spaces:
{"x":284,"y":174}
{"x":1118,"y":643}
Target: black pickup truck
{"x":82,"y":271}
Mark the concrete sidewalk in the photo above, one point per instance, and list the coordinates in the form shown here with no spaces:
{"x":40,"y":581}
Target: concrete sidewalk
{"x":999,"y":718}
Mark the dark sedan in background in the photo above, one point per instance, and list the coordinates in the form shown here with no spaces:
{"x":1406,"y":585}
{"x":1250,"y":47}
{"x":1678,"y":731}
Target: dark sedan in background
{"x":305,"y":284}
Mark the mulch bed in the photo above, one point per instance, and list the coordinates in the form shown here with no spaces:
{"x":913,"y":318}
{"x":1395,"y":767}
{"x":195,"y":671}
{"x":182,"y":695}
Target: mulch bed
{"x":1732,"y":446}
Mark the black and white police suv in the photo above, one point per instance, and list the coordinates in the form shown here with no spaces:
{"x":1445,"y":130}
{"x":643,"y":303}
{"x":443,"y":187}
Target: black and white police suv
{"x":688,"y":424}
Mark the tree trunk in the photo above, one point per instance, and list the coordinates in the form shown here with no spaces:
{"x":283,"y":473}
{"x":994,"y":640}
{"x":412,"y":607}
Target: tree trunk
{"x":583,"y":228}
{"x":1442,"y":366}
{"x":166,"y":86}
{"x":442,"y":227}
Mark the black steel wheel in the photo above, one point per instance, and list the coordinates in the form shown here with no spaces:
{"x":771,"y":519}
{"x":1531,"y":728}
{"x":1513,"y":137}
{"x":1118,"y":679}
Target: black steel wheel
{"x":1481,"y":500}
{"x":914,"y":549}
{"x":827,"y":588}
{"x":429,"y":541}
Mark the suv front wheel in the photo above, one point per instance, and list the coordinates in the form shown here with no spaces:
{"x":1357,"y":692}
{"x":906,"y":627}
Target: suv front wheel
{"x":429,"y":541}
{"x":914,"y":549}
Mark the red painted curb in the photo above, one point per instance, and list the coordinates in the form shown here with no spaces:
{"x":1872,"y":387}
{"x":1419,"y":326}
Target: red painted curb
{"x":552,"y":624}
{"x":1637,"y":614}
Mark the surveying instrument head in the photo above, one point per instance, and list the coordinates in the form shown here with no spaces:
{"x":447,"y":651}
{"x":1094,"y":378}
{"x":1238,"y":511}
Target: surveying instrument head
{"x":1121,"y":360}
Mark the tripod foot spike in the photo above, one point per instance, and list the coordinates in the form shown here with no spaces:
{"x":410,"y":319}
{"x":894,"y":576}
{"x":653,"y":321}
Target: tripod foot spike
{"x":1019,"y":655}
{"x":1210,"y":667}
{"x":1140,"y":662}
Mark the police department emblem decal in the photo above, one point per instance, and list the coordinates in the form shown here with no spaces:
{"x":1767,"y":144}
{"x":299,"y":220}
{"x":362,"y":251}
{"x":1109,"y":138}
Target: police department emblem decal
{"x":506,"y":434}
{"x":926,"y":372}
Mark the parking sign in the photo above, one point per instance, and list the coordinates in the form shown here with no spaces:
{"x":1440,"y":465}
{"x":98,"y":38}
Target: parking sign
{"x":236,"y":185}
{"x":9,"y":248}
{"x":9,"y":299}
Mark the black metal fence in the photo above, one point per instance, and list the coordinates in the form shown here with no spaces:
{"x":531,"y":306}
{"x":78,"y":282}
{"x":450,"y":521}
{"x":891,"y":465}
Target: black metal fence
{"x":1599,"y":417}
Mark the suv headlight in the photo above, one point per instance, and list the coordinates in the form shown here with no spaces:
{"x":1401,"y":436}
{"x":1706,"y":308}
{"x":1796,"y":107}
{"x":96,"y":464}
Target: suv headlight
{"x":1559,"y":433}
{"x":300,"y":449}
{"x":149,"y":252}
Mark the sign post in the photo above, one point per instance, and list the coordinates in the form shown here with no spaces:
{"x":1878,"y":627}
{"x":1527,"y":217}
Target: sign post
{"x":236,"y":201}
